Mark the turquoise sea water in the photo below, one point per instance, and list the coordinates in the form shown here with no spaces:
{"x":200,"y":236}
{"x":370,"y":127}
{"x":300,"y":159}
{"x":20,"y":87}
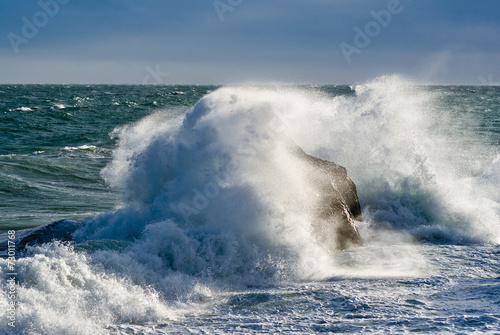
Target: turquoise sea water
{"x":122,"y":162}
{"x":56,"y":139}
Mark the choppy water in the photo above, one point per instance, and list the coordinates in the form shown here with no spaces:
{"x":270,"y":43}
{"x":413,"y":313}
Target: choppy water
{"x":190,"y":218}
{"x":54,"y":140}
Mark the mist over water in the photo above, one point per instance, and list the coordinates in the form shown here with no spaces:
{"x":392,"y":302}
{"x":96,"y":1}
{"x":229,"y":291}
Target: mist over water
{"x":213,"y":205}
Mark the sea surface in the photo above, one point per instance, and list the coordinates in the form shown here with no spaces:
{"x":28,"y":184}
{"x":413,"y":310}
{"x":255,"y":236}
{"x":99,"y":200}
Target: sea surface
{"x":187,"y":216}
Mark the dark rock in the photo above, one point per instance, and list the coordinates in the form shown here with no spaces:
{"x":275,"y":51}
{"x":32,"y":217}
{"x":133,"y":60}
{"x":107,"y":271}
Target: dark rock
{"x":337,"y":203}
{"x":61,"y":230}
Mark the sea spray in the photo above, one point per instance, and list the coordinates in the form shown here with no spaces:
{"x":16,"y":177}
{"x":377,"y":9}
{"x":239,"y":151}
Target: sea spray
{"x":63,"y":292}
{"x":249,"y":227}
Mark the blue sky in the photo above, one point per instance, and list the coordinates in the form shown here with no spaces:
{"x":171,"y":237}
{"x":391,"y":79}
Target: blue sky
{"x":235,"y":41}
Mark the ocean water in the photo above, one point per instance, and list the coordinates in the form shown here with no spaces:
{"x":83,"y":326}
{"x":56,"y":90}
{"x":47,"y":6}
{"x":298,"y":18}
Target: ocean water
{"x":188,"y":217}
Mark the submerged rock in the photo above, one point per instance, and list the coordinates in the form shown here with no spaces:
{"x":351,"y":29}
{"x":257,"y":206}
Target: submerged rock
{"x":61,"y":230}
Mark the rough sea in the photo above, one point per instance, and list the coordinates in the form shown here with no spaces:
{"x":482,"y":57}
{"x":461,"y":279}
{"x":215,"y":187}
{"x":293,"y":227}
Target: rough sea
{"x":186,"y":217}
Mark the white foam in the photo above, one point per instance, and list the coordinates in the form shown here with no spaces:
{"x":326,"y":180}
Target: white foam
{"x":224,"y":169}
{"x":214,"y":201}
{"x":23,"y":109}
{"x":81,"y":147}
{"x":63,"y":292}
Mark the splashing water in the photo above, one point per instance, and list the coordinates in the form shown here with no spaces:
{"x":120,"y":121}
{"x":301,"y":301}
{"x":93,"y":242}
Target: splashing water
{"x":213,"y":201}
